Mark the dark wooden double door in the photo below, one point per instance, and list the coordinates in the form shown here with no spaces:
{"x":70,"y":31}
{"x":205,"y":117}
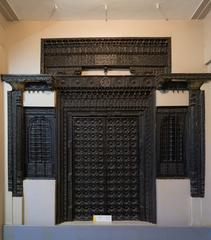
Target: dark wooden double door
{"x":104,"y":156}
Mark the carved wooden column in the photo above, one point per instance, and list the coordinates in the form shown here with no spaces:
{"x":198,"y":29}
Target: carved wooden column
{"x":15,"y":141}
{"x":197,"y":142}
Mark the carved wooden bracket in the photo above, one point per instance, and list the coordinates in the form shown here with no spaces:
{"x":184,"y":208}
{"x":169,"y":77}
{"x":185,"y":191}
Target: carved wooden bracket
{"x":29,"y":82}
{"x":182,"y":81}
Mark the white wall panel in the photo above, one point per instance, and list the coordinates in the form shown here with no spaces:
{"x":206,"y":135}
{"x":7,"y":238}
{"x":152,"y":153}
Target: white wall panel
{"x":172,"y":98}
{"x":196,"y":211}
{"x":173,"y":202}
{"x":39,"y":99}
{"x":39,"y":202}
{"x":17,"y":210}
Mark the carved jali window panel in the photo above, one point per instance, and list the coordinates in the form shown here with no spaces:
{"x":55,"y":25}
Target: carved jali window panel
{"x":106,"y":167}
{"x":172,"y":128}
{"x":40,"y":142}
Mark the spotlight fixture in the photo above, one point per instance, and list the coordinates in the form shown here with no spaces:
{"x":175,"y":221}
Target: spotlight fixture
{"x":106,"y":12}
{"x":158,"y":7}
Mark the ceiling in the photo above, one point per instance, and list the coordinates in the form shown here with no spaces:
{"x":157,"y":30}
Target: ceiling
{"x":96,"y":9}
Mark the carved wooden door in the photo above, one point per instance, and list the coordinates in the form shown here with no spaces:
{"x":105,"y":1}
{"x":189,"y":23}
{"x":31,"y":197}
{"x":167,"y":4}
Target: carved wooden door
{"x":105,"y":158}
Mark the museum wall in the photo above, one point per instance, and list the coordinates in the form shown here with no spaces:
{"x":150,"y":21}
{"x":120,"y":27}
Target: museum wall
{"x":207,"y":38}
{"x":206,"y":211}
{"x":3,"y":67}
{"x":174,"y":204}
{"x":24,"y":40}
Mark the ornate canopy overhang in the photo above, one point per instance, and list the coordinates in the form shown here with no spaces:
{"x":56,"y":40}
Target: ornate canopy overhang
{"x":44,"y":82}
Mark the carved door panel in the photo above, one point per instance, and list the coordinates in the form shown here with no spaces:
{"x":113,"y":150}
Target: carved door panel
{"x":89,"y":182}
{"x":122,"y":163}
{"x":105,"y":164}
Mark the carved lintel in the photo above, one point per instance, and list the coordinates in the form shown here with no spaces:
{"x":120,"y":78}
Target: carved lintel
{"x":104,"y":82}
{"x":197,"y":143}
{"x":15,"y":142}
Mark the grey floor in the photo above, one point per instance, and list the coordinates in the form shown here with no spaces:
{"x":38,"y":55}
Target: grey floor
{"x":105,"y":232}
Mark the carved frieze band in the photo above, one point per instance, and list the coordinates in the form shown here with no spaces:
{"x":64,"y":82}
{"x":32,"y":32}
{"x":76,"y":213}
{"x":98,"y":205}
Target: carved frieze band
{"x":104,"y":82}
{"x":197,"y":142}
{"x":15,"y":142}
{"x":140,"y":55}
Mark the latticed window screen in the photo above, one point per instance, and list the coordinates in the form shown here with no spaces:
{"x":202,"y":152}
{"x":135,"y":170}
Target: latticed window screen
{"x":171,"y":142}
{"x":40,"y":142}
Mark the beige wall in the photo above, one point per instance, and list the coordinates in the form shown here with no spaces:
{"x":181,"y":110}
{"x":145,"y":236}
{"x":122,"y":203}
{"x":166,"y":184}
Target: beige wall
{"x":1,"y":149}
{"x":207,"y":38}
{"x":3,"y":67}
{"x":24,"y":40}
